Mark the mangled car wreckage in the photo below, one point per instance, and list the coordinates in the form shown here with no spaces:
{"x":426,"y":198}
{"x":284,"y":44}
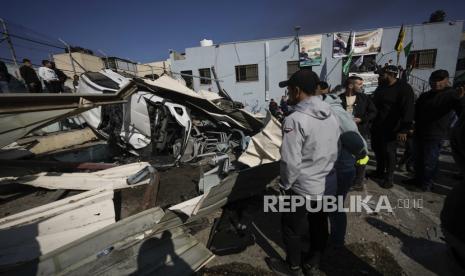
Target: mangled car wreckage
{"x":166,"y":120}
{"x":160,"y":121}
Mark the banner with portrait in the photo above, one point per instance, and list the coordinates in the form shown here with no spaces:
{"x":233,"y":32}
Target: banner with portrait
{"x":341,"y":44}
{"x":310,"y":50}
{"x":368,"y":43}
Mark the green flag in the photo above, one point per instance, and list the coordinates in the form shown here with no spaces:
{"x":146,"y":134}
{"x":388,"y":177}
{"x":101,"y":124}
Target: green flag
{"x":346,"y":66}
{"x":407,"y":49}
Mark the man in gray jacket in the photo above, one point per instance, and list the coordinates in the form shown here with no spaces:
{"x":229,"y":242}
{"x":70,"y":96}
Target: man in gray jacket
{"x":308,"y":153}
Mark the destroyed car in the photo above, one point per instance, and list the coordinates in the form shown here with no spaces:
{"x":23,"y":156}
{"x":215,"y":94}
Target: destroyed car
{"x":166,"y":120}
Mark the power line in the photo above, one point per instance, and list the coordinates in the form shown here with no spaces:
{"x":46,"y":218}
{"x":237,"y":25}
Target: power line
{"x":32,"y":40}
{"x":11,"y":61}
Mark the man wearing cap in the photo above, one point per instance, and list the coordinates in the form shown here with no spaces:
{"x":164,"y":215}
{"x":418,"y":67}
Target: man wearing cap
{"x":308,"y":153}
{"x":434,"y":112}
{"x":394,"y":101}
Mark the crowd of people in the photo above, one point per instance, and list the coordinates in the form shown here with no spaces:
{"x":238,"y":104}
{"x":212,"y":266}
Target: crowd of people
{"x":325,"y":148}
{"x":48,"y":78}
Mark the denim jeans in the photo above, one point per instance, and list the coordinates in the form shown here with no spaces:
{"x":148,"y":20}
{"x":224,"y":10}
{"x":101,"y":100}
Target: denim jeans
{"x":4,"y":87}
{"x":338,"y":220}
{"x":426,"y":160}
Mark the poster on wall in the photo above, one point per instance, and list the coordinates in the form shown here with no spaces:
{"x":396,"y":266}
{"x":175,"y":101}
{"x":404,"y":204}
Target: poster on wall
{"x":310,"y":50}
{"x":341,"y":47}
{"x":367,"y":43}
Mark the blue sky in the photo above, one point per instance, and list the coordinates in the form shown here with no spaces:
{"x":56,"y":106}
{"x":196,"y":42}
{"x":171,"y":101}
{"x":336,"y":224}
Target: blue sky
{"x":145,"y":30}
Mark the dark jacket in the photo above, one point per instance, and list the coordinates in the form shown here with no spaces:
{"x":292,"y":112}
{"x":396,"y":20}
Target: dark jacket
{"x":4,"y":75}
{"x":28,"y":74}
{"x":395,"y":106}
{"x":454,"y":206}
{"x":434,"y":112}
{"x":62,"y":77}
{"x":363,"y":109}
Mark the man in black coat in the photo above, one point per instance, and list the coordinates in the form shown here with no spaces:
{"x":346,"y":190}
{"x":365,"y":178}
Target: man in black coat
{"x":62,"y":77}
{"x":30,"y":77}
{"x":434,"y":113}
{"x":364,"y":111}
{"x":453,"y":212}
{"x":4,"y":78}
{"x":394,"y":101}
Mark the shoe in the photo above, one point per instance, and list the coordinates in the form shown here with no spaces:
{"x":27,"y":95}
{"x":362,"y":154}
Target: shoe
{"x":419,"y":189}
{"x":311,"y":270}
{"x":458,"y":176}
{"x":410,"y":182}
{"x":312,"y":264}
{"x":387,"y":183}
{"x":280,"y":267}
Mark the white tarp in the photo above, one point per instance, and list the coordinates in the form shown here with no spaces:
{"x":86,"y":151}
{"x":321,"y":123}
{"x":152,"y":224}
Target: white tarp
{"x":38,"y":231}
{"x":209,"y":95}
{"x":114,"y":178}
{"x":264,"y":146}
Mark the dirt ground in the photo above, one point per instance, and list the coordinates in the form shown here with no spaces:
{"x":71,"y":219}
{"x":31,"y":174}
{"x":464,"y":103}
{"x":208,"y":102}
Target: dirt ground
{"x":407,"y":241}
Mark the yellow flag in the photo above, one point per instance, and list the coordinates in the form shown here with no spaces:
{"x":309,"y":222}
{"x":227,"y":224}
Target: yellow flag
{"x":400,"y":39}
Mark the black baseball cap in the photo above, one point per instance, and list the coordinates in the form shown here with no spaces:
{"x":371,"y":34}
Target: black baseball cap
{"x":438,"y":75}
{"x":390,"y":69}
{"x":305,"y":79}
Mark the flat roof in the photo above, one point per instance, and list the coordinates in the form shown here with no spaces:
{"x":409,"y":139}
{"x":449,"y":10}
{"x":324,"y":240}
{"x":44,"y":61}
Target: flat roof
{"x":290,"y":37}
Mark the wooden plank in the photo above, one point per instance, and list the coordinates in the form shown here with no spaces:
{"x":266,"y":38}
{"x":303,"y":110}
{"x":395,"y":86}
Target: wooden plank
{"x":61,"y":140}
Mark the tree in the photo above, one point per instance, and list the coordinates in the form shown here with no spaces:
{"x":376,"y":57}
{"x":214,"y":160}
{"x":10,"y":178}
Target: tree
{"x":437,"y":16}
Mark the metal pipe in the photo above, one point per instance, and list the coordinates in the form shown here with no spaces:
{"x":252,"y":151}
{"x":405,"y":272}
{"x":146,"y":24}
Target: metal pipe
{"x":107,"y":65}
{"x":70,"y":55}
{"x":10,"y":44}
{"x":188,"y":75}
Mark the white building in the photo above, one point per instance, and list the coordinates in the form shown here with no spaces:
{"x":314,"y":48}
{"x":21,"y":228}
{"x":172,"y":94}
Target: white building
{"x":251,"y":70}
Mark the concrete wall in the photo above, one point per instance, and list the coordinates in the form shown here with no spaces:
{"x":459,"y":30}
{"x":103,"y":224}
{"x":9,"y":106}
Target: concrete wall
{"x":89,"y":62}
{"x":445,"y":37}
{"x":156,"y":67}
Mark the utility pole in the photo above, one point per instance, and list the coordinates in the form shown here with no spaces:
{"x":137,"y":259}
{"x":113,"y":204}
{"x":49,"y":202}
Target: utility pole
{"x":297,"y":29}
{"x":221,"y":92}
{"x":153,"y":74}
{"x":70,"y":55}
{"x":7,"y":37}
{"x":107,"y":65}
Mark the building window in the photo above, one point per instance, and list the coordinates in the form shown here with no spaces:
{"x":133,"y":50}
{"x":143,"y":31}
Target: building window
{"x":247,"y":72}
{"x":292,"y":67}
{"x":187,"y":76}
{"x":422,"y":59}
{"x":205,"y":73}
{"x":460,"y":64}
